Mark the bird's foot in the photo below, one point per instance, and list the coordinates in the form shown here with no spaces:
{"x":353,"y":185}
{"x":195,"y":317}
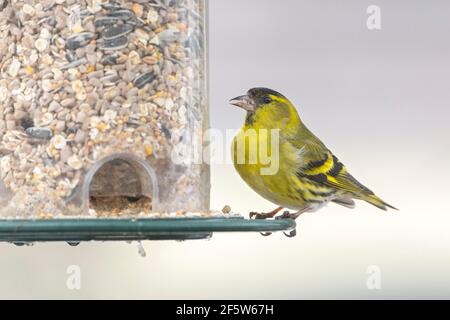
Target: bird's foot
{"x":259,"y":215}
{"x":264,"y":215}
{"x":288,"y":215}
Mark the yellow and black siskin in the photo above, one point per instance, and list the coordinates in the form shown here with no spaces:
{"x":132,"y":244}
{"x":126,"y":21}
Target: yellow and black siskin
{"x":309,"y":175}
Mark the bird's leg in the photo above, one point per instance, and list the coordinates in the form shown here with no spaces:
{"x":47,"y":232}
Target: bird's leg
{"x":265,"y":215}
{"x":295,"y":215}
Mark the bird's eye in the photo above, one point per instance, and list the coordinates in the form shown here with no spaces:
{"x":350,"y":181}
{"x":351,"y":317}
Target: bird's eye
{"x":267,"y":100}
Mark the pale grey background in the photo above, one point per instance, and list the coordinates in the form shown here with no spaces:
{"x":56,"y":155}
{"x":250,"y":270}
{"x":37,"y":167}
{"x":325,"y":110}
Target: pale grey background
{"x":378,"y":99}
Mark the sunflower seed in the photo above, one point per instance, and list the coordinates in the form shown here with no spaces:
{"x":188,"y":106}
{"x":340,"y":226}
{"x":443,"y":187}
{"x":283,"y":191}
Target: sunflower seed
{"x":166,"y":131}
{"x":26,"y":123}
{"x":122,"y":14}
{"x":106,"y":21}
{"x":110,"y":79}
{"x":79,"y":40}
{"x":137,"y":22}
{"x":116,"y":32}
{"x":111,"y":6}
{"x":109,"y":60}
{"x":74,"y":64}
{"x":70,"y":56}
{"x":143,"y":79}
{"x":39,"y":133}
{"x":169,"y":35}
{"x":3,"y":4}
{"x":160,"y":4}
{"x":84,"y":13}
{"x":114,"y":44}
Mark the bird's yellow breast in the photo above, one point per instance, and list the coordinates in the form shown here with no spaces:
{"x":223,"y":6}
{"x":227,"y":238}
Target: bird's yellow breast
{"x":268,"y":167}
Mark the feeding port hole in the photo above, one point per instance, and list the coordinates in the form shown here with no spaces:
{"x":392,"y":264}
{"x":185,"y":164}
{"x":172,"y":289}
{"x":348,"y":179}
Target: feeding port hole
{"x":121,"y":185}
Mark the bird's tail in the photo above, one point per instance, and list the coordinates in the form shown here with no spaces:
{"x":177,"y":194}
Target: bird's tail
{"x":377,"y":202}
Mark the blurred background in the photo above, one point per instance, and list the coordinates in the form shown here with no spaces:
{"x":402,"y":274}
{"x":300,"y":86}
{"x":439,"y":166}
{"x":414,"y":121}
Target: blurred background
{"x":378,"y":98}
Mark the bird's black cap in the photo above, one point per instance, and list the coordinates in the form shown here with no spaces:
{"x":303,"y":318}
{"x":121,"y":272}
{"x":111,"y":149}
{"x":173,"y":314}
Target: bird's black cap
{"x":261,"y":91}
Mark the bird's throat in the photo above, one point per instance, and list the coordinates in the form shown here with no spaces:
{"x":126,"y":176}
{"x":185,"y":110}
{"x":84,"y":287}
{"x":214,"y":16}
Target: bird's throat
{"x":249,"y":118}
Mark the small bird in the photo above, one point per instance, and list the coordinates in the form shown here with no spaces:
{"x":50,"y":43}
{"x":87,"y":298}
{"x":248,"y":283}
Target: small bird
{"x":309,"y":175}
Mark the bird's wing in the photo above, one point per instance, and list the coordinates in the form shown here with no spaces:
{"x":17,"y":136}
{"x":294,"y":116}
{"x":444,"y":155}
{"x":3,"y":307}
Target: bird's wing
{"x":321,"y":166}
{"x":325,"y":168}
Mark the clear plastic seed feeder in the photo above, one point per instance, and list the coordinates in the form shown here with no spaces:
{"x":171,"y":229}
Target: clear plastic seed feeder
{"x":97,"y":97}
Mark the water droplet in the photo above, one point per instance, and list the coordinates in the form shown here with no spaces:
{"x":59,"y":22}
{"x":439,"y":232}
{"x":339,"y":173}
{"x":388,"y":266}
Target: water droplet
{"x":24,"y":243}
{"x":141,"y":250}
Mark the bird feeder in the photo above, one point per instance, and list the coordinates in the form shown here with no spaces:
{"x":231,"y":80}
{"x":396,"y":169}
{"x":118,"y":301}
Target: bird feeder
{"x":102,"y":103}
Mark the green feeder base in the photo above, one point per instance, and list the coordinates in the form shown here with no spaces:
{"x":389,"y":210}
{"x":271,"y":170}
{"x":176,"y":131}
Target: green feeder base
{"x":21,"y":231}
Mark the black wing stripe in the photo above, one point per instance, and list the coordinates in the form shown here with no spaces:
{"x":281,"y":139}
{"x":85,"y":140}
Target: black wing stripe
{"x":319,"y":178}
{"x":337,"y":167}
{"x":316,"y":164}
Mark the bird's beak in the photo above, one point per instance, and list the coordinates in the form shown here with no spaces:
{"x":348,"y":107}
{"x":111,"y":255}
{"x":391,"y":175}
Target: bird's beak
{"x":244,"y":102}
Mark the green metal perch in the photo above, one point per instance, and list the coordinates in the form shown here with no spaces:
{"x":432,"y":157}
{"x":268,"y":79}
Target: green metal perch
{"x":76,"y":230}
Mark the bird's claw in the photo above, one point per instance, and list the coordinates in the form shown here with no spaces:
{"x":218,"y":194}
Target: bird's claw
{"x":252,"y":214}
{"x":291,"y":234}
{"x":285,"y":215}
{"x":288,"y":215}
{"x":258,"y":215}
